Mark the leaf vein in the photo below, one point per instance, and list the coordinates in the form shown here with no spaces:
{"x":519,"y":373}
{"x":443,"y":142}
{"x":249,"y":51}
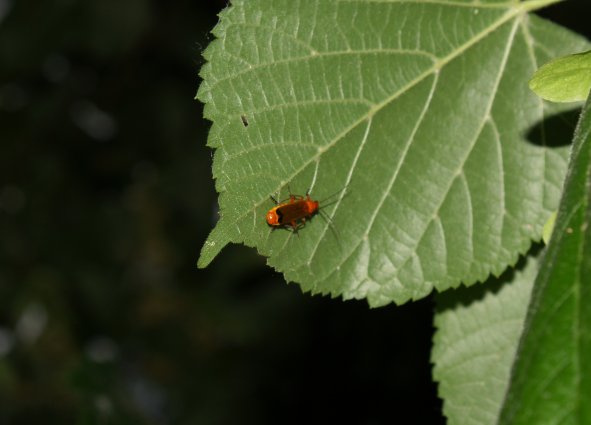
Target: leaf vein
{"x":469,"y":151}
{"x":323,"y":55}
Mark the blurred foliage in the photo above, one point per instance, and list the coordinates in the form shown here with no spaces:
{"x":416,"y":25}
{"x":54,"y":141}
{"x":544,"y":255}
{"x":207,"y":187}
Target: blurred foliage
{"x":106,"y":197}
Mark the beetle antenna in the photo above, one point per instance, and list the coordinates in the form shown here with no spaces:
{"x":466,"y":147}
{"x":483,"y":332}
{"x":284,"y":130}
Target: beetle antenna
{"x":331,"y":226}
{"x":334,"y":194}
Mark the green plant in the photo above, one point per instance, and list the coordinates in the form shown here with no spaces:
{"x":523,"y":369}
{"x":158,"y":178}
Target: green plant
{"x":451,"y":166}
{"x":566,"y":79}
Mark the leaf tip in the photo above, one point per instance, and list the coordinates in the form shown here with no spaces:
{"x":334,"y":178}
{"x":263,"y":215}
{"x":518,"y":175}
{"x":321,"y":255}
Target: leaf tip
{"x":212,"y":247}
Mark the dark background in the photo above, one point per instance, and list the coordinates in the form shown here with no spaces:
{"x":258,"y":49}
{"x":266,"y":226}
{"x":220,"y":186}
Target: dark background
{"x":106,"y":198}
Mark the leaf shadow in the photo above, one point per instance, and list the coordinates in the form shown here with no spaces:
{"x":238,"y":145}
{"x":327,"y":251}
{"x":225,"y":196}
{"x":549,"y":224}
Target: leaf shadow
{"x":467,"y":295}
{"x":554,"y":131}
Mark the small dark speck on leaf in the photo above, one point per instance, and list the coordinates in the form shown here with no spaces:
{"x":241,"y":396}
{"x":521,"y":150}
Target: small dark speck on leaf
{"x":244,"y":120}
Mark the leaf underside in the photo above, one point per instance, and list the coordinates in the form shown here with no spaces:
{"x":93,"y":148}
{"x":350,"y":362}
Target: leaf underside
{"x":478,"y":331}
{"x":421,"y":110}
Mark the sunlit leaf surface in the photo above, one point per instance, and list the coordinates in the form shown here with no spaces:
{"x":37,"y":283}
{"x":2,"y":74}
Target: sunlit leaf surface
{"x":420,"y":109}
{"x":566,"y":79}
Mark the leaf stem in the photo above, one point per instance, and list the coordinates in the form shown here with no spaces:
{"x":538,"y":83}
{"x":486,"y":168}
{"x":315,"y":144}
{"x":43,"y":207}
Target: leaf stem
{"x":538,"y":4}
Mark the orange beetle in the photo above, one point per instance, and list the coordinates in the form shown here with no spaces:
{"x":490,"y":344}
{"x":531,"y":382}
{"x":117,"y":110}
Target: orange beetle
{"x":293,"y":212}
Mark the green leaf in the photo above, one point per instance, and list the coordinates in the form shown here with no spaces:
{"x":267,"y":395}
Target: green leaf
{"x":549,"y":227}
{"x":420,"y":109}
{"x":566,"y":79}
{"x":551,"y":380}
{"x":478,"y":330}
